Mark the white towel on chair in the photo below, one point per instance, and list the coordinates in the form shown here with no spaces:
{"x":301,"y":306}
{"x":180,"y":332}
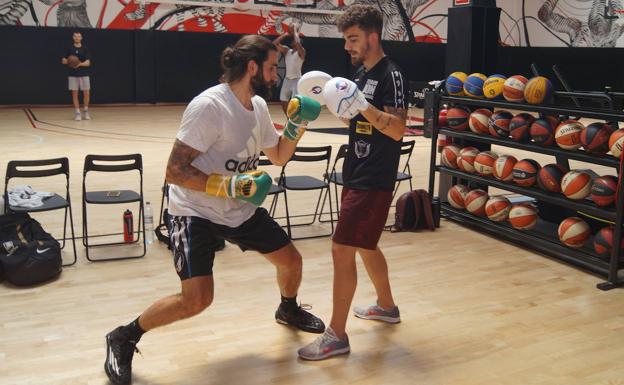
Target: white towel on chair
{"x":26,"y":196}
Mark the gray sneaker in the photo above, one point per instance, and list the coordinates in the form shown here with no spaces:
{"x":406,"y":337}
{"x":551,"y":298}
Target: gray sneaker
{"x":325,"y":346}
{"x":87,"y":116}
{"x":376,"y":312}
{"x":77,"y":117}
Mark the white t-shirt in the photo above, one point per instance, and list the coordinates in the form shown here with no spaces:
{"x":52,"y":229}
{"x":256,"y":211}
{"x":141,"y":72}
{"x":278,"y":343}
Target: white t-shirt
{"x":229,"y":138}
{"x":294,"y":62}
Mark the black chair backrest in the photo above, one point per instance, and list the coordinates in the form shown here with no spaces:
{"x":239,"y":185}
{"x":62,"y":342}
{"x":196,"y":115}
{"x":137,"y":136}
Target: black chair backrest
{"x":113,"y":163}
{"x":406,"y":149}
{"x":264,"y":160}
{"x":20,"y":168}
{"x":310,"y":154}
{"x":340,"y":154}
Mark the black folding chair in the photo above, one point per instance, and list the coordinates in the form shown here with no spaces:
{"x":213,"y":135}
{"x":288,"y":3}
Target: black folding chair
{"x":405,"y":173}
{"x":308,"y":183}
{"x":107,"y":164}
{"x":38,"y":169}
{"x":275,"y":190}
{"x":335,"y":178}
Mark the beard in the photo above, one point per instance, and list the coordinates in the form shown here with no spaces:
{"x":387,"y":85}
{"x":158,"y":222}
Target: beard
{"x":261,"y":87}
{"x":359,"y":59}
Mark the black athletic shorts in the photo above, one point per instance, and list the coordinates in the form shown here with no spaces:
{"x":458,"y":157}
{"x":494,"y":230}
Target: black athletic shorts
{"x":194,"y":240}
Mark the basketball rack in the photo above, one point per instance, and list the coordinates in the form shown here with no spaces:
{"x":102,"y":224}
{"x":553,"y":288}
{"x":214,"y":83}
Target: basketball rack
{"x":543,"y":238}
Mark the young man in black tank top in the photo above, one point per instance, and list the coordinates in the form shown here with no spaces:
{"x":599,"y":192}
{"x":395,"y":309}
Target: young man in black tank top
{"x":369,"y":171}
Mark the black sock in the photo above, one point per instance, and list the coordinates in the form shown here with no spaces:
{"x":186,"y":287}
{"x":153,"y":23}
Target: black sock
{"x":289,"y":303}
{"x":133,"y":331}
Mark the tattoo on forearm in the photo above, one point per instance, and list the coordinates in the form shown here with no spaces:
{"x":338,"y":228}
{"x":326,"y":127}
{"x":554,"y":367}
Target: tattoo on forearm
{"x":179,"y":166}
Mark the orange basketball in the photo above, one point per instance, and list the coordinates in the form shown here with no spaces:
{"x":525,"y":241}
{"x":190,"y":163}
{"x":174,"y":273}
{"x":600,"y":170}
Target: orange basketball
{"x":595,"y":137}
{"x":478,"y":121}
{"x":576,"y":185}
{"x":523,"y":216}
{"x":603,"y":190}
{"x":457,"y":196}
{"x":573,"y":232}
{"x":449,"y":155}
{"x":616,"y":141}
{"x":73,"y":61}
{"x":465,"y":161}
{"x":525,"y":172}
{"x":503,"y":167}
{"x":457,"y":118}
{"x":497,"y":209}
{"x":513,"y":88}
{"x":549,"y":177}
{"x":568,"y":134}
{"x":475,"y":202}
{"x":484,"y":162}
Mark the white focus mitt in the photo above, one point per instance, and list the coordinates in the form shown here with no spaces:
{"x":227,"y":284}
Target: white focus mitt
{"x":311,"y":85}
{"x":344,"y":100}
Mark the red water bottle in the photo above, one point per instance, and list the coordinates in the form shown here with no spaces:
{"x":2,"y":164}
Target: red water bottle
{"x":128,"y":231}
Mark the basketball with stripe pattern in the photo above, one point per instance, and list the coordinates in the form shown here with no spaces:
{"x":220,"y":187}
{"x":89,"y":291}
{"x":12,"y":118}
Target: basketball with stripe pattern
{"x":603,"y":244}
{"x":576,"y":185}
{"x":549,"y":177}
{"x":616,"y":141}
{"x":466,"y":158}
{"x":455,"y":83}
{"x":573,"y":232}
{"x":523,"y":216}
{"x":503,"y":167}
{"x":497,"y":209}
{"x":449,"y":155}
{"x":473,"y":86}
{"x":479,"y":120}
{"x":525,"y":172}
{"x":442,"y":118}
{"x":542,"y":132}
{"x":484,"y":162}
{"x":457,"y":196}
{"x":457,"y":118}
{"x":498,"y":124}
{"x":520,"y":125}
{"x":603,"y":190}
{"x":595,"y":138}
{"x":568,"y":134}
{"x":513,"y":88}
{"x":538,"y":90}
{"x":475,"y":202}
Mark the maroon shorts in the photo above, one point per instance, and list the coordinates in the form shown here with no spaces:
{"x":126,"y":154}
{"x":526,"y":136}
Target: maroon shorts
{"x":362,"y":219}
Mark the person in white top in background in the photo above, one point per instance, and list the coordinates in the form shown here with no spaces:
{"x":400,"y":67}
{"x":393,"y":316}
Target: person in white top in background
{"x":294,"y":57}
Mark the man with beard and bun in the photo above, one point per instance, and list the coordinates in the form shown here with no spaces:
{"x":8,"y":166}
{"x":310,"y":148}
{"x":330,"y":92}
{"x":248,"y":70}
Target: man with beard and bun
{"x":214,"y":194}
{"x":378,"y":111}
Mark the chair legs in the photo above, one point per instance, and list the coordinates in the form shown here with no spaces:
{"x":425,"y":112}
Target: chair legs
{"x":73,"y":234}
{"x":85,"y":237}
{"x":317,"y":212}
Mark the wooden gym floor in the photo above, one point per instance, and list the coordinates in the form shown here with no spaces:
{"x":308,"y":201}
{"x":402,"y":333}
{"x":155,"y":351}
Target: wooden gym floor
{"x":475,"y":310}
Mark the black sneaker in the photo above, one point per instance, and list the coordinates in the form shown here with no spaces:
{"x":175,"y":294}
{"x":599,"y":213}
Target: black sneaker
{"x":300,"y":319}
{"x":119,"y":353}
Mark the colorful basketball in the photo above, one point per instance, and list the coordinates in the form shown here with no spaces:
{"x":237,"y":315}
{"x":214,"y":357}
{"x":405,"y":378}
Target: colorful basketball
{"x":595,"y":138}
{"x":576,"y":185}
{"x":568,"y":134}
{"x":520,"y":125}
{"x":475,"y":202}
{"x":603,"y":190}
{"x":498,"y":124}
{"x":473,"y":86}
{"x":493,"y":87}
{"x":455,"y":83}
{"x":616,"y":142}
{"x":503,"y":167}
{"x":523,"y":216}
{"x":513,"y":88}
{"x":484,"y":162}
{"x":538,"y":90}
{"x":497,"y":209}
{"x":442,"y":118}
{"x":542,"y":132}
{"x":549,"y":177}
{"x":449,"y":155}
{"x":525,"y":172}
{"x":465,"y":161}
{"x":479,"y":121}
{"x":573,"y":232}
{"x":457,"y":195}
{"x":603,"y":243}
{"x":457,"y":118}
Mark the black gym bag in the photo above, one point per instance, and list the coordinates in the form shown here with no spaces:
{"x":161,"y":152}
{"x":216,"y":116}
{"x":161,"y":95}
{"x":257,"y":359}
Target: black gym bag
{"x":28,"y":255}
